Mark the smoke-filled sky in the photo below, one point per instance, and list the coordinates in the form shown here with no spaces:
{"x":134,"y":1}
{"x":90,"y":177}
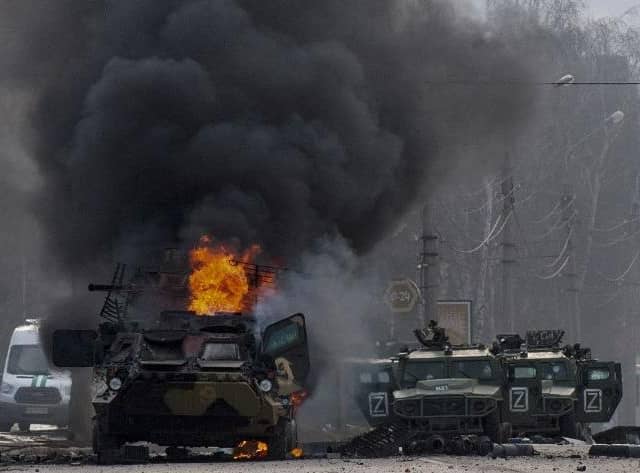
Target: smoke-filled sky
{"x":153,"y":122}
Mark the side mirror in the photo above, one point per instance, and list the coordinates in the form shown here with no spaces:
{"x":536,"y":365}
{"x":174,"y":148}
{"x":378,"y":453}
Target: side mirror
{"x":74,"y":348}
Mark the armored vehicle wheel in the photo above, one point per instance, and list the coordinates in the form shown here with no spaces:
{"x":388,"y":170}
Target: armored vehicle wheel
{"x":569,"y":426}
{"x":283,"y":441}
{"x":498,"y":432}
{"x":24,"y":427}
{"x":105,"y":446}
{"x":6,"y":426}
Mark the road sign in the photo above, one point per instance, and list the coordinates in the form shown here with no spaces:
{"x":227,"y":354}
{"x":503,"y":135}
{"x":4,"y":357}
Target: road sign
{"x":402,"y":295}
{"x":455,"y":317}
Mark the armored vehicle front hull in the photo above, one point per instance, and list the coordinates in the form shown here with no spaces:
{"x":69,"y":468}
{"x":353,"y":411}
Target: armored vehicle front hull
{"x":173,"y":410}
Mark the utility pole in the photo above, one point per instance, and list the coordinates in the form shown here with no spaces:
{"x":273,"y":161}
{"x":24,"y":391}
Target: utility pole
{"x":508,"y":244}
{"x":428,"y":267}
{"x":571,"y":273}
{"x":630,"y":413}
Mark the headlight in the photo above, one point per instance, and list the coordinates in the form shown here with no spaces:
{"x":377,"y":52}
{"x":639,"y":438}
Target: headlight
{"x":100,"y":388}
{"x":115,"y":384}
{"x":265,"y":385}
{"x":7,"y":388}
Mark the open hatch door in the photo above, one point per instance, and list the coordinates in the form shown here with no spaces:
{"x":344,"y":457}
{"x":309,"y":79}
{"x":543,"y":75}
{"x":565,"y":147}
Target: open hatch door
{"x":600,"y":390}
{"x":287,"y":339}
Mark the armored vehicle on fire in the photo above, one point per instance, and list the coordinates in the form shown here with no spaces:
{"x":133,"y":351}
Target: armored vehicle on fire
{"x":430,"y":395}
{"x":555,"y":390}
{"x":184,"y":380}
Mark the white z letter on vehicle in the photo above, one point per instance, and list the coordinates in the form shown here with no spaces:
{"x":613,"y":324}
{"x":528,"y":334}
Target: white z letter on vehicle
{"x":519,"y":399}
{"x":378,"y":405}
{"x":593,"y":400}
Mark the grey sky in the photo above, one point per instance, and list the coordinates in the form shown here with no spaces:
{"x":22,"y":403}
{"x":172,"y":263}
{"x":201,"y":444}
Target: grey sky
{"x":596,"y":8}
{"x":599,"y":8}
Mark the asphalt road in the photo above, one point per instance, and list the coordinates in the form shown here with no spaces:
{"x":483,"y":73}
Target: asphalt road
{"x":552,"y":459}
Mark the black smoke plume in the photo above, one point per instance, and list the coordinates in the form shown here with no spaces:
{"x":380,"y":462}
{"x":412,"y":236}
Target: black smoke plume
{"x":273,"y":122}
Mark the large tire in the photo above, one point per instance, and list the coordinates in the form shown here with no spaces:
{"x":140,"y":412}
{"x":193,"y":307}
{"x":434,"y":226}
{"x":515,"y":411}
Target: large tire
{"x":6,"y":426}
{"x":283,"y":441}
{"x":492,"y":427}
{"x":105,"y":446}
{"x":506,"y":432}
{"x":569,"y":426}
{"x":24,"y":426}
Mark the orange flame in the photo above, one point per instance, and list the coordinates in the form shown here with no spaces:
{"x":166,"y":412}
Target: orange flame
{"x":297,"y":453}
{"x":250,"y":450}
{"x":298,"y":397}
{"x":218,"y":280}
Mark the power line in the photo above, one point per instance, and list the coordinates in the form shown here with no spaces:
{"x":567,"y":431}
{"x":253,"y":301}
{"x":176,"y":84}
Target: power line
{"x":557,"y":272}
{"x":493,"y":234}
{"x":478,"y":83}
{"x":624,"y":273}
{"x":615,"y":227}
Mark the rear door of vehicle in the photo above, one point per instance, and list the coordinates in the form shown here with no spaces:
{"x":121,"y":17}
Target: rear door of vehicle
{"x":373,"y":388}
{"x":522,"y":391}
{"x":287,"y":339}
{"x":599,"y":390}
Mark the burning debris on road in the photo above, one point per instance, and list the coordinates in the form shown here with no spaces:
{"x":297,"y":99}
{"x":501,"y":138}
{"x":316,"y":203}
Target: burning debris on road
{"x":251,"y":450}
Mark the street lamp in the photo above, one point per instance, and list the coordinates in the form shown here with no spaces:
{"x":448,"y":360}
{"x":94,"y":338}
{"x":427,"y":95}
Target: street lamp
{"x":567,"y":79}
{"x":616,"y":117}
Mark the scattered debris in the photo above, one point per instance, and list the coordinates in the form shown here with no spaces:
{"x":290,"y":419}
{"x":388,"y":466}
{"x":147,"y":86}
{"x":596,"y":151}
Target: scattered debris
{"x":615,"y":450}
{"x":620,"y":435}
{"x":512,"y":450}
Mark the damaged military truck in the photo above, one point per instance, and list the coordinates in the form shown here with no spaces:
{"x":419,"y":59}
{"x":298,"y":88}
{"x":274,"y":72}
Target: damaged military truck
{"x":443,"y":395}
{"x":427,"y":396}
{"x":554,"y":390}
{"x":179,"y":379}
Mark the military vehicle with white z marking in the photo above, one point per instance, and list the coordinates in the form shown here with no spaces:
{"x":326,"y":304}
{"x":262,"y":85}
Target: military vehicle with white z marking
{"x":555,"y":390}
{"x":425,"y":397}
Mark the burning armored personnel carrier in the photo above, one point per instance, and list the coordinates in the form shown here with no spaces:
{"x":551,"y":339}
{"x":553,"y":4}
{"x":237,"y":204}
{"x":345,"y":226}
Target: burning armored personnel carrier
{"x":179,"y":379}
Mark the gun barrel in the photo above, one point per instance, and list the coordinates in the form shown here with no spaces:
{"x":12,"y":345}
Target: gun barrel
{"x":105,"y":287}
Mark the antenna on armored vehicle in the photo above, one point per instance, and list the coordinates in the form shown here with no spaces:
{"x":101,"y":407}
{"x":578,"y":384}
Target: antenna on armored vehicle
{"x":114,"y":308}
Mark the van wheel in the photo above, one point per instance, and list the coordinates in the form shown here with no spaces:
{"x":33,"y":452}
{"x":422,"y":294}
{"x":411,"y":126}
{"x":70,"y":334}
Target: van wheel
{"x":24,"y":427}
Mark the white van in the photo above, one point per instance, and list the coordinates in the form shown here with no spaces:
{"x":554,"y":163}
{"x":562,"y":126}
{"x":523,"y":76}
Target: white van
{"x":32,"y":392}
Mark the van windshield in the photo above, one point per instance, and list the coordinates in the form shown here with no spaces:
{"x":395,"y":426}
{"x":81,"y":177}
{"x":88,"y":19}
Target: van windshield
{"x":27,"y":360}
